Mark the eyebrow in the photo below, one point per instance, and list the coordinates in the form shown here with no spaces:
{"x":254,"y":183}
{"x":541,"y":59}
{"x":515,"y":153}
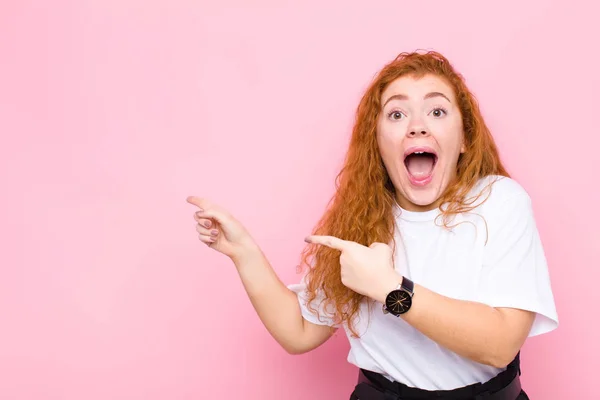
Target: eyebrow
{"x":427,"y":96}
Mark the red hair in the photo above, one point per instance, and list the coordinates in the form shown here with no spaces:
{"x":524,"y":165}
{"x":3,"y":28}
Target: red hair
{"x":362,"y":208}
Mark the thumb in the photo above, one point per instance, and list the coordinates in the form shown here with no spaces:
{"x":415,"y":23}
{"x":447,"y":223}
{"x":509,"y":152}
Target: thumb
{"x":382,"y":247}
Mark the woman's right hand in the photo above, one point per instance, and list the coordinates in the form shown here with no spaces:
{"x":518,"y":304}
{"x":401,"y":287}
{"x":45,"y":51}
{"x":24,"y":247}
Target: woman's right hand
{"x":220,"y":231}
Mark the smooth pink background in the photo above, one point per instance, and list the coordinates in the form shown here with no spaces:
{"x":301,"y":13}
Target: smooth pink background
{"x":112,"y":112}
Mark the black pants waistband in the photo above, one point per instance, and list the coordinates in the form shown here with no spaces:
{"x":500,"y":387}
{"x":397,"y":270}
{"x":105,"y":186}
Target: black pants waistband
{"x":505,"y":386}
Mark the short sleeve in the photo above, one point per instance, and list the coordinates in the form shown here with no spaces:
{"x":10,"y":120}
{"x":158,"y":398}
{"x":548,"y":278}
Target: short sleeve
{"x":324,"y":317}
{"x":515,"y":272}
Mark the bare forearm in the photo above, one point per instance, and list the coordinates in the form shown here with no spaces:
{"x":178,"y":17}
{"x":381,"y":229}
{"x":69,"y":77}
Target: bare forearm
{"x":276,"y":305}
{"x":473,"y":330}
{"x":484,"y":334}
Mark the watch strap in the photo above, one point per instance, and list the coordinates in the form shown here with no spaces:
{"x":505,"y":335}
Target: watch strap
{"x":408,"y":285}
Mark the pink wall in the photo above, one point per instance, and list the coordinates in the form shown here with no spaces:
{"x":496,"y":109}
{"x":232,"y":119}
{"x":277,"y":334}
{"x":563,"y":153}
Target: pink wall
{"x":112,"y":112}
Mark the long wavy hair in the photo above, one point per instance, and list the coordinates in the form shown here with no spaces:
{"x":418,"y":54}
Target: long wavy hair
{"x":361,"y":209}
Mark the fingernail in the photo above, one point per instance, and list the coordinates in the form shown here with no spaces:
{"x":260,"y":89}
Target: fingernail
{"x":207,"y":224}
{"x":200,"y":210}
{"x":214,"y":232}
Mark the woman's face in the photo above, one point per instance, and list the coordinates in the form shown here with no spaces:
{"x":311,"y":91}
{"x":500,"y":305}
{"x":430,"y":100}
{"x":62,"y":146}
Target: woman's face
{"x":420,"y":137}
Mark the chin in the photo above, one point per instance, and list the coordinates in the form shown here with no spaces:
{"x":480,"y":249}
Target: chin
{"x":423,"y":196}
{"x":422,"y":199}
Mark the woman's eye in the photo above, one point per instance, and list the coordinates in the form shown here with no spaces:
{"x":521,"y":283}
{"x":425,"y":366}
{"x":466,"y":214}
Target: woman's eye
{"x":438,"y":112}
{"x":396,"y":115}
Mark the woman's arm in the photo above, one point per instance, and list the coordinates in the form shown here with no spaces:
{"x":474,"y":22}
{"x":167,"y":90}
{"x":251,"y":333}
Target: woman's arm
{"x":482,"y":333}
{"x":277,"y":306}
{"x":485,"y":334}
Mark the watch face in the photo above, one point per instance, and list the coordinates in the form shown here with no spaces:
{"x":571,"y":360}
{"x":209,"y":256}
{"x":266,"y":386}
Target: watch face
{"x":398,"y":302}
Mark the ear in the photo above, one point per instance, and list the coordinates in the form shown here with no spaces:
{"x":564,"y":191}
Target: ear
{"x":463,"y":148}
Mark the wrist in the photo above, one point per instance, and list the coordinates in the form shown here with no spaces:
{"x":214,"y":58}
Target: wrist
{"x":391,"y":282}
{"x":245,"y":254}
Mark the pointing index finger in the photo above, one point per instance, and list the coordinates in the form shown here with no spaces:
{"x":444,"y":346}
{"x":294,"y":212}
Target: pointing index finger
{"x":329,"y":241}
{"x":197,"y":201}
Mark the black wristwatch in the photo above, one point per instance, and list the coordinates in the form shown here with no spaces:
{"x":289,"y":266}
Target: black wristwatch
{"x":399,"y":300}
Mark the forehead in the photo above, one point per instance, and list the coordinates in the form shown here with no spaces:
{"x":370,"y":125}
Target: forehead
{"x":417,"y":87}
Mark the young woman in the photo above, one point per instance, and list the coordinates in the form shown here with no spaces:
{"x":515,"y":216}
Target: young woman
{"x":428,"y":256}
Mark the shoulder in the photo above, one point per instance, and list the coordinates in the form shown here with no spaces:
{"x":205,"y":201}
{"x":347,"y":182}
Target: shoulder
{"x":495,"y":193}
{"x":505,"y":208}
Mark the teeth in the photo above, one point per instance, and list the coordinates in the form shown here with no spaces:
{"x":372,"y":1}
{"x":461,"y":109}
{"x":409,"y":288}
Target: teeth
{"x":421,"y":153}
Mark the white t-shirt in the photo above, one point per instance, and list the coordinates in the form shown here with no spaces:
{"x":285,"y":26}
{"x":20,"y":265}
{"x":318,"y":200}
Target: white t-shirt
{"x":509,"y":270}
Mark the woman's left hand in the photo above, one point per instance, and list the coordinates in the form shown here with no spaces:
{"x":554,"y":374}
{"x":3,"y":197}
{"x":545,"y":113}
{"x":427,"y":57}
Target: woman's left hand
{"x":365,"y":270}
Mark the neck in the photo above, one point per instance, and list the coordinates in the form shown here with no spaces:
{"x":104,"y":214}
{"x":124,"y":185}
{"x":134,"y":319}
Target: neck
{"x":408,"y":206}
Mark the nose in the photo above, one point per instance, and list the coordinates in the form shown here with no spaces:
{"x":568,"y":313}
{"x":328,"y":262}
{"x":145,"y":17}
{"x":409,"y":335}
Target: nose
{"x":417,"y":130}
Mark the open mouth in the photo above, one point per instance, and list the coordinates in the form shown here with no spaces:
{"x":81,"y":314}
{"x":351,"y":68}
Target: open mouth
{"x":420,"y":163}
